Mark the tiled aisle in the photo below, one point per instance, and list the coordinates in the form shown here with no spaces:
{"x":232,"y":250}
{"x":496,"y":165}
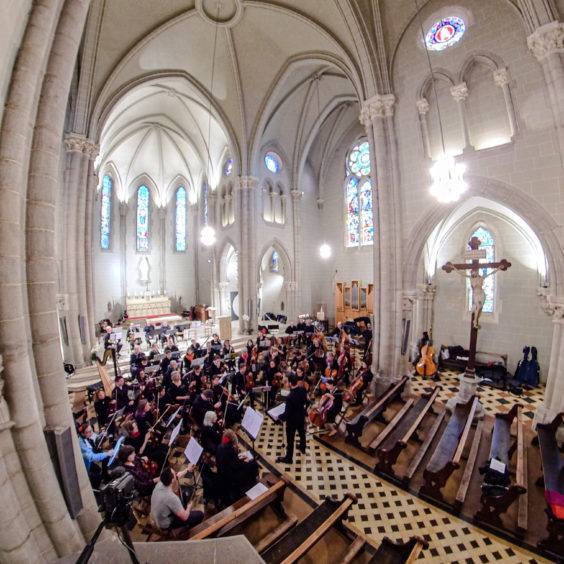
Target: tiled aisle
{"x":384,"y":510}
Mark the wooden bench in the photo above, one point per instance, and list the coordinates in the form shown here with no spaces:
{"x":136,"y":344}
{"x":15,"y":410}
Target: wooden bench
{"x":448,"y":453}
{"x":294,"y":544}
{"x":373,"y":411}
{"x":221,"y":523}
{"x":553,"y":473}
{"x":498,"y":493}
{"x":389,"y":447}
{"x":390,"y":552}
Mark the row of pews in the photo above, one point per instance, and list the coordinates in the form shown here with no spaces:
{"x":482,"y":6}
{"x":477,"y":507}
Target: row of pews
{"x":290,"y":540}
{"x":504,"y":474}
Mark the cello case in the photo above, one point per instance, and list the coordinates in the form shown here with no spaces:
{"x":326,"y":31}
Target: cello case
{"x":531,"y":373}
{"x":522,"y":366}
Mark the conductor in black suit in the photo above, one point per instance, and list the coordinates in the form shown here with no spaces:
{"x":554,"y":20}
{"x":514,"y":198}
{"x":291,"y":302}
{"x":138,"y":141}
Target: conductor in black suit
{"x":294,"y":415}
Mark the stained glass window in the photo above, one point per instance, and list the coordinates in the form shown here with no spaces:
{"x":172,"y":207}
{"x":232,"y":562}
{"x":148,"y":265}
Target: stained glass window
{"x":205,"y":203}
{"x":359,"y":221}
{"x":272,"y":162}
{"x":274,"y":263}
{"x":228,"y":167}
{"x":106,"y":214}
{"x":180,"y":219}
{"x":445,"y":33}
{"x":487,"y":244}
{"x":142,"y":218}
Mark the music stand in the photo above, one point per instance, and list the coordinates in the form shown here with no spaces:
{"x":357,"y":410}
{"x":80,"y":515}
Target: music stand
{"x":251,"y":424}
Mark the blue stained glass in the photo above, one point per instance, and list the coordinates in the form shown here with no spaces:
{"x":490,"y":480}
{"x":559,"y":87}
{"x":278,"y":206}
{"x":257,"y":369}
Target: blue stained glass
{"x":181,"y":219}
{"x":106,"y":214}
{"x":487,"y":244}
{"x":445,"y":33}
{"x":205,"y":203}
{"x":352,"y":221}
{"x":272,"y":162}
{"x":367,"y":230}
{"x":359,"y":160}
{"x":274,"y":265}
{"x":228,"y":167}
{"x":143,"y":218}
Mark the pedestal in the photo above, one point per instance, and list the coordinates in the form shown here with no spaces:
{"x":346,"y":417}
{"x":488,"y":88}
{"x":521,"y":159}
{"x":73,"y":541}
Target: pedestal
{"x":224,"y":322}
{"x":468,"y":386}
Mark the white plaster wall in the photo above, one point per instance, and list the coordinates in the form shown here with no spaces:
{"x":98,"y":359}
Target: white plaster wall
{"x":12,"y":27}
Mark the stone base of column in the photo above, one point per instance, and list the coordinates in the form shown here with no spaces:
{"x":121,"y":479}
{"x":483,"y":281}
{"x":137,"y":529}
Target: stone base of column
{"x":468,"y":386}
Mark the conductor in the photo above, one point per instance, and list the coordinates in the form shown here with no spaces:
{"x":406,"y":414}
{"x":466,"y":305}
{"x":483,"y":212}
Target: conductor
{"x":294,"y":415}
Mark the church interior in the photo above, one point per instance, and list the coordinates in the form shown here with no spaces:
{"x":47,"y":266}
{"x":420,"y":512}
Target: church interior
{"x":345,"y":211}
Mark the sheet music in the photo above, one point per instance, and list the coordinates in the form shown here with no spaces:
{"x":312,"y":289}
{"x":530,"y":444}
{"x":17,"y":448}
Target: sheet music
{"x":174,"y":434}
{"x":256,"y":491}
{"x":252,"y":421}
{"x":277,"y":411}
{"x":116,"y":450}
{"x":171,"y":418}
{"x":193,"y":451}
{"x":497,"y":465}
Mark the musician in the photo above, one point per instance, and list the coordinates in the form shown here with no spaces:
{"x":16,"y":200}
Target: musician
{"x":198,"y":352}
{"x":273,"y":378}
{"x":366,"y":374}
{"x":367,"y":334}
{"x":208,"y":357}
{"x":135,"y":358}
{"x":250,"y":346}
{"x":167,"y":374}
{"x":109,"y":342}
{"x":143,"y":416}
{"x":87,"y":439}
{"x":149,"y":330}
{"x":217,"y":367}
{"x":154,"y":351}
{"x":144,"y":481}
{"x":166,"y":332}
{"x":244,"y":358}
{"x":309,"y":330}
{"x":335,"y":396}
{"x":144,"y":446}
{"x":317,"y":353}
{"x":131,"y":336}
{"x":337,"y":331}
{"x":344,"y":362}
{"x":331,"y":366}
{"x":146,"y":386}
{"x":195,"y":375}
{"x":218,"y":392}
{"x":215,"y":340}
{"x":294,"y":416}
{"x":102,"y":408}
{"x":238,"y":382}
{"x":211,"y":433}
{"x":298,"y":358}
{"x":165,"y":362}
{"x":170,"y":345}
{"x":227,"y":349}
{"x":177,"y":391}
{"x":236,"y":473}
{"x":187,"y":360}
{"x":202,"y":404}
{"x":167,"y":510}
{"x":121,"y":395}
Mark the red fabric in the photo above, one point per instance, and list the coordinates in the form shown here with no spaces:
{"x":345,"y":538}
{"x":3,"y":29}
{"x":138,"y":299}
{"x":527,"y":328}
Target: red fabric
{"x":225,"y":440}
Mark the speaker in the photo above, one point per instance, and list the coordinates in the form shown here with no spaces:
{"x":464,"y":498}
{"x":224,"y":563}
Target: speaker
{"x":406,"y":326}
{"x":59,"y":443}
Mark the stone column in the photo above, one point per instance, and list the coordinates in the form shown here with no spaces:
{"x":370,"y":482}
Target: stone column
{"x":196,"y":227}
{"x":501,"y":79}
{"x":123,"y":250}
{"x":547,"y":45}
{"x":92,"y":185}
{"x":460,"y":93}
{"x":377,"y":117}
{"x":223,"y":297}
{"x":282,"y":209}
{"x":423,"y":110}
{"x":554,"y":395}
{"x":296,"y":293}
{"x":162,"y":224}
{"x":423,"y":314}
{"x":248,"y":269}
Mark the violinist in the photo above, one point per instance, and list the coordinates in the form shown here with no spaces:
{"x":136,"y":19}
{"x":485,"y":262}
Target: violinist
{"x":143,"y":416}
{"x":86,"y":440}
{"x":215,"y":340}
{"x":187,"y":360}
{"x":367,"y":335}
{"x":344,"y":363}
{"x":217,"y":367}
{"x":317,"y":352}
{"x":167,"y":374}
{"x":121,"y":395}
{"x":102,"y":407}
{"x":334,"y":397}
{"x":144,"y":481}
{"x":146,"y":387}
{"x":249,"y":385}
{"x":218,"y":392}
{"x":227,"y":349}
{"x":211,"y":432}
{"x":177,"y":391}
{"x":154,"y":351}
{"x":238,"y":382}
{"x":202,"y":404}
{"x":135,"y":358}
{"x":165,"y":362}
{"x":366,"y":376}
{"x":273,"y":378}
{"x":152,"y":455}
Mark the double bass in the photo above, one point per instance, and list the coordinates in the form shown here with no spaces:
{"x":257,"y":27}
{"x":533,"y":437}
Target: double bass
{"x":426,"y":366}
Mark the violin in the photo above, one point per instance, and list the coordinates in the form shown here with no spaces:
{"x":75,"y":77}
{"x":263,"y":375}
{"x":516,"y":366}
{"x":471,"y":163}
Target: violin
{"x":277,"y":379}
{"x":150,"y":465}
{"x":318,"y":415}
{"x":249,"y":380}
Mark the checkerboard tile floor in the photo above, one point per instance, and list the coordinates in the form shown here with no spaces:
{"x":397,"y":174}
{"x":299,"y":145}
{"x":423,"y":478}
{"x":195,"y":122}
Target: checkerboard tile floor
{"x":494,"y":400}
{"x":383,"y":509}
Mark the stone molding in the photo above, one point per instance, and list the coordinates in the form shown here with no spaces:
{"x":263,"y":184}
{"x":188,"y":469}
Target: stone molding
{"x":246,"y":182}
{"x":459,"y":92}
{"x":291,"y":286}
{"x":551,"y":305}
{"x":320,"y":202}
{"x":501,"y":77}
{"x":80,"y":144}
{"x":426,"y":291}
{"x":547,"y":40}
{"x":422,"y":106}
{"x":409,"y":297}
{"x":296,"y":194}
{"x":379,"y":106}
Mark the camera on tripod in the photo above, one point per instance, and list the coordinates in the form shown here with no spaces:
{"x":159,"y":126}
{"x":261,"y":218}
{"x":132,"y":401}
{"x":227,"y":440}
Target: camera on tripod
{"x":116,"y":499}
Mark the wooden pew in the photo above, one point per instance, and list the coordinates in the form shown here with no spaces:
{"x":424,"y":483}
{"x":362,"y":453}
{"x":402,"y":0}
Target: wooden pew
{"x":448,"y":453}
{"x":390,"y":552}
{"x":230,"y":517}
{"x":498,"y":493}
{"x":390,"y":448}
{"x":294,"y":544}
{"x":553,"y":473}
{"x":373,"y":411}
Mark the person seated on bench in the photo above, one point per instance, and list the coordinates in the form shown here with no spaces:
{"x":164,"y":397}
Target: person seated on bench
{"x":167,"y":510}
{"x":236,"y":473}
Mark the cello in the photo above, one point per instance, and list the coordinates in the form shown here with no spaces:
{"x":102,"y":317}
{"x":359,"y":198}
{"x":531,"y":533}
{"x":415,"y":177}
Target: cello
{"x":318,"y":415}
{"x":426,"y":366}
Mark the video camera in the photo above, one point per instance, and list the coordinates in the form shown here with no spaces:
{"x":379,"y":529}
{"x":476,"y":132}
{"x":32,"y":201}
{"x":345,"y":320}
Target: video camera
{"x":116,"y":499}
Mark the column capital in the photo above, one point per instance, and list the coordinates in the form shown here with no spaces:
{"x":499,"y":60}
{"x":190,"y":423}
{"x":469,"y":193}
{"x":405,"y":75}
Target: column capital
{"x":459,"y":92}
{"x":379,"y":106}
{"x":291,"y":286}
{"x":426,"y":291}
{"x":320,"y":202}
{"x":409,"y":297}
{"x":501,"y":77}
{"x":223,"y":286}
{"x":551,"y":305}
{"x":246,"y":182}
{"x":422,"y":106}
{"x":81,"y":144}
{"x":296,"y":194}
{"x":546,"y":40}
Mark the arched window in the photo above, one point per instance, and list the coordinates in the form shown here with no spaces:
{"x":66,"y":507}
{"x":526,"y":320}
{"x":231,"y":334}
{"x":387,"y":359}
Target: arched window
{"x":180,"y":219}
{"x":228,"y":168}
{"x":487,"y":244}
{"x":358,"y":197}
{"x":205,"y":200}
{"x":274,"y":262}
{"x":106,"y":214}
{"x":143,"y":218}
{"x":272,"y":162}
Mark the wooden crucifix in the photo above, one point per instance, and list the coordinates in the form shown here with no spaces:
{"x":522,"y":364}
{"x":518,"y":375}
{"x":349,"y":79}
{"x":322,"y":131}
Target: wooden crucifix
{"x":478,"y":294}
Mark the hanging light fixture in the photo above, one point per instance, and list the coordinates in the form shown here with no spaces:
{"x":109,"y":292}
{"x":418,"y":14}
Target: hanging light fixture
{"x":448,"y":175}
{"x":325,"y":251}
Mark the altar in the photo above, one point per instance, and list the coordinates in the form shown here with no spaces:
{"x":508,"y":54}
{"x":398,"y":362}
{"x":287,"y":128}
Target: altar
{"x":147,"y":305}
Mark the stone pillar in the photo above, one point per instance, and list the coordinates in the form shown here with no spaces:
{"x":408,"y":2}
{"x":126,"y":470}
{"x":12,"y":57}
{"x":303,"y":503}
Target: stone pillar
{"x":547,"y":45}
{"x":92,"y":185}
{"x":248,"y":269}
{"x":223,"y":298}
{"x":460,"y":93}
{"x":196,"y":227}
{"x":423,"y":110}
{"x":162,"y":225}
{"x":377,"y":117}
{"x":423,"y":314}
{"x":295,"y":292}
{"x":501,"y":79}
{"x":123,"y":250}
{"x":282,"y":209}
{"x":554,"y":395}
